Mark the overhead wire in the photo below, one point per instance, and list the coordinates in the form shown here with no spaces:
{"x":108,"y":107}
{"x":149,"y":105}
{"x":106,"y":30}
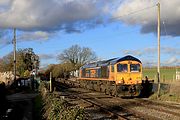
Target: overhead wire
{"x":131,"y":13}
{"x":164,"y":28}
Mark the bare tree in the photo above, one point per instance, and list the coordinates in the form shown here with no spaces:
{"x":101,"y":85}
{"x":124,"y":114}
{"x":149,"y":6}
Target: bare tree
{"x":77,"y":55}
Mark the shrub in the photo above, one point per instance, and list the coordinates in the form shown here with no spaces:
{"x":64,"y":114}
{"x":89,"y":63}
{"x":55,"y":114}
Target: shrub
{"x":56,"y":108}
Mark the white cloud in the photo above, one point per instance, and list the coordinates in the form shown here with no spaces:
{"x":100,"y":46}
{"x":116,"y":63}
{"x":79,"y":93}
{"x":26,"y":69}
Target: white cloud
{"x":149,"y":55}
{"x":47,"y":56}
{"x":77,"y":16}
{"x":146,"y":51}
{"x":172,"y":61}
{"x":170,"y":10}
{"x":6,"y":37}
{"x":4,"y":4}
{"x":133,"y":52}
{"x":171,"y":51}
{"x":48,"y":14}
{"x":38,"y":36}
{"x":149,"y":62}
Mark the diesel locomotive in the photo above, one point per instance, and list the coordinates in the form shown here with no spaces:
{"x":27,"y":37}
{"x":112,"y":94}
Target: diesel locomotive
{"x":114,"y":76}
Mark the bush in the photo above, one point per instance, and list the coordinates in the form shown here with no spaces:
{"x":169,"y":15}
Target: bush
{"x":56,"y":108}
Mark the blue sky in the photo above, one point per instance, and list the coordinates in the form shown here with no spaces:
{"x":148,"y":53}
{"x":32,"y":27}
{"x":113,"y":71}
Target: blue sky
{"x":133,"y":34}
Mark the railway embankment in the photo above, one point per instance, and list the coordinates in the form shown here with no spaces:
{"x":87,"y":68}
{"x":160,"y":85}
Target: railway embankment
{"x":101,"y":106}
{"x":57,"y":108}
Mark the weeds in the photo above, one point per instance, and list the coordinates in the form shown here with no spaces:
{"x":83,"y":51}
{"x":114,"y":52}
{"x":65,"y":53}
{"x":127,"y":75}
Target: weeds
{"x":55,"y":108}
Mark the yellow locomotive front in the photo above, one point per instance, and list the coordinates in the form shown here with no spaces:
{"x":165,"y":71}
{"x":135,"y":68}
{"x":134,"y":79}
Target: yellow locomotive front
{"x":127,"y":72}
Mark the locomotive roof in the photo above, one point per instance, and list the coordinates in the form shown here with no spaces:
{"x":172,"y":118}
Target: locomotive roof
{"x":110,"y":62}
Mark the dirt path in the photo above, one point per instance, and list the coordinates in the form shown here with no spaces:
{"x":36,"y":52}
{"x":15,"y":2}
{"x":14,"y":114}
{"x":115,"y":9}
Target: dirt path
{"x":20,"y":107}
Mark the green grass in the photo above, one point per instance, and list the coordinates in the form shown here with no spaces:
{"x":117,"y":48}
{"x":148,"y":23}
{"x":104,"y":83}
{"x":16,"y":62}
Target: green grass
{"x":167,"y":74}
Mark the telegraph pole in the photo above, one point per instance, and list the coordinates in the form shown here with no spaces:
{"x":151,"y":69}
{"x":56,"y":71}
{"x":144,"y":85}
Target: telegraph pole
{"x":159,"y":32}
{"x":14,"y":43}
{"x":50,"y":82}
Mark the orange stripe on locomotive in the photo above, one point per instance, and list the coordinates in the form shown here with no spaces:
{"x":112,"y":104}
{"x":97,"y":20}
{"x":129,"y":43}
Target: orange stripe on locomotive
{"x":126,"y":70}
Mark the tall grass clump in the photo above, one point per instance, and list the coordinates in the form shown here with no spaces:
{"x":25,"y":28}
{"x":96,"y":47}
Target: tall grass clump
{"x":56,"y":108}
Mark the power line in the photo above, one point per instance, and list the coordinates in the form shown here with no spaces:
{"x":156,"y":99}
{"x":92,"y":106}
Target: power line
{"x":165,"y":28}
{"x":133,"y":12}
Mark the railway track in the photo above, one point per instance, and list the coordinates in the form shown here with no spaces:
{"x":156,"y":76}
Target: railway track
{"x":95,"y":103}
{"x":122,"y":114}
{"x":118,"y":108}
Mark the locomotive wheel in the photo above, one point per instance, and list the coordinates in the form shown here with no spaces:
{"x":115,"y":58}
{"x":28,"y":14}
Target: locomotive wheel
{"x":132,"y":90}
{"x":109,"y":92}
{"x":135,"y":90}
{"x":92,"y":86}
{"x":114,"y":92}
{"x":105,"y":91}
{"x":98,"y":85}
{"x":100,"y":89}
{"x":138,"y":90}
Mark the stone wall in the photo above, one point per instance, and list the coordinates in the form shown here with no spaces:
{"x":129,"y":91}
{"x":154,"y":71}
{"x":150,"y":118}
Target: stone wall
{"x":6,"y":77}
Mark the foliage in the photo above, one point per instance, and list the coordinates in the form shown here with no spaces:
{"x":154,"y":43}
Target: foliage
{"x":72,"y":59}
{"x":26,"y":59}
{"x":59,"y":70}
{"x":6,"y":63}
{"x":56,"y":108}
{"x":62,"y":70}
{"x":26,"y":73}
{"x":77,"y":56}
{"x":49,"y":69}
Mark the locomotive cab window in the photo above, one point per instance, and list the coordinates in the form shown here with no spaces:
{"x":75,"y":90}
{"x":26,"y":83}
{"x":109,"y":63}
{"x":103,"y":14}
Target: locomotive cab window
{"x":122,"y":68}
{"x":112,"y":68}
{"x":135,"y":68}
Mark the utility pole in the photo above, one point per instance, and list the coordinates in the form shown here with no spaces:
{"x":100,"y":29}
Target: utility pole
{"x":158,"y":37}
{"x":14,"y":42}
{"x":50,"y":82}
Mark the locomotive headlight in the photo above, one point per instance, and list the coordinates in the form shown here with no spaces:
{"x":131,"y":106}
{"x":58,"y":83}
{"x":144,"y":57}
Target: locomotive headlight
{"x":121,"y":81}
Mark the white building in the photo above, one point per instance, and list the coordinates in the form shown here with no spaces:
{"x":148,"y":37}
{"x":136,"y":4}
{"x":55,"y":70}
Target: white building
{"x":177,"y":75}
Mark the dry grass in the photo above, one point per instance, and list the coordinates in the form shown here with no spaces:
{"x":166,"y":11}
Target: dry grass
{"x":175,"y":88}
{"x":57,"y":108}
{"x":172,"y":95}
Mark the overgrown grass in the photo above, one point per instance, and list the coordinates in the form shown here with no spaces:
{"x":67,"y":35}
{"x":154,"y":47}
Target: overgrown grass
{"x":166,"y":97}
{"x":56,"y":108}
